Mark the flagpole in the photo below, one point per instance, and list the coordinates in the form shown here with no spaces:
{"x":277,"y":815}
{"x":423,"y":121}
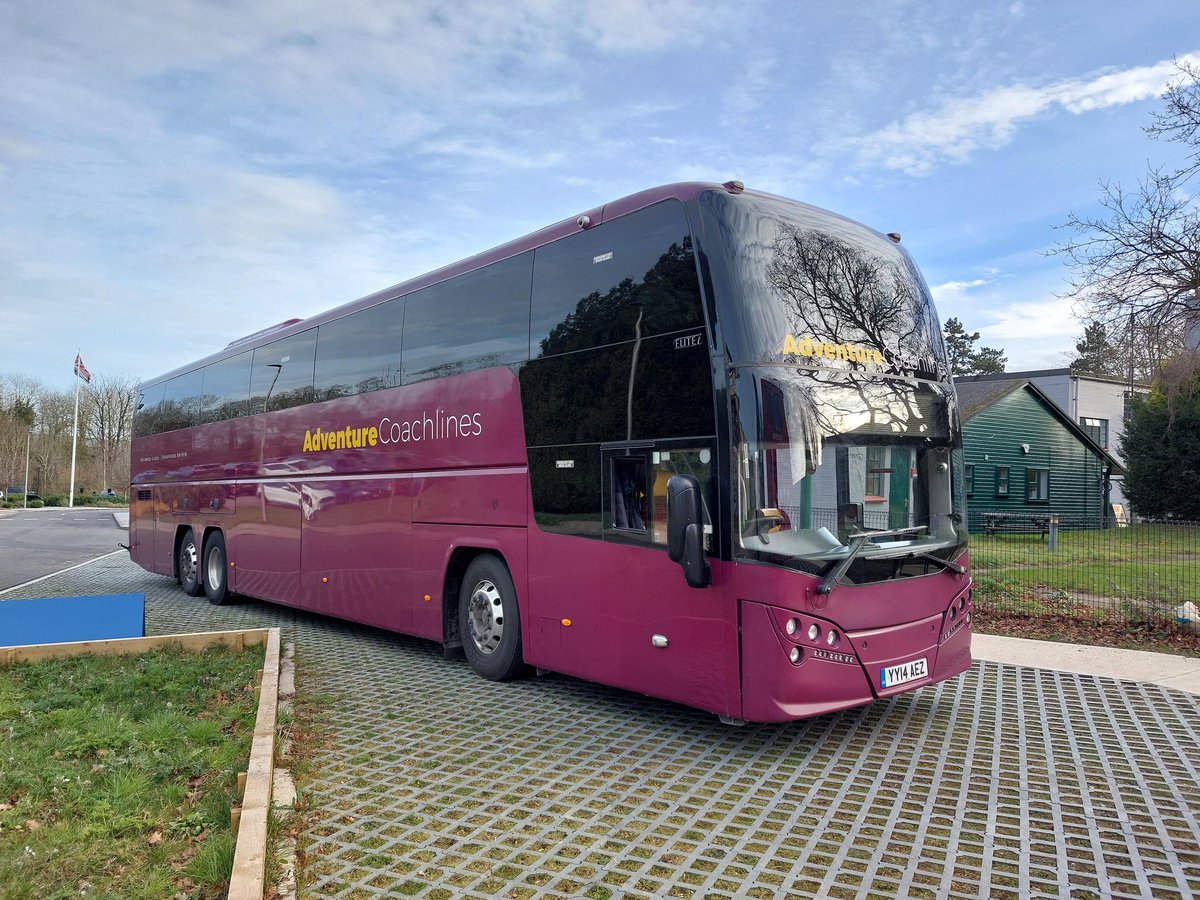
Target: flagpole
{"x":74,"y":443}
{"x":25,"y":499}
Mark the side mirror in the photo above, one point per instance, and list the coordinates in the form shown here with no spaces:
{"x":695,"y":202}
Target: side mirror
{"x":685,"y":530}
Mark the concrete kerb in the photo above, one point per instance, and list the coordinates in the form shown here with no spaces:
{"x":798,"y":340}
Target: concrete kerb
{"x":250,"y":854}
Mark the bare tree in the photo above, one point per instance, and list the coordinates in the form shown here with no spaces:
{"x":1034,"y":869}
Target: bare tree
{"x":110,"y":401}
{"x":1136,"y":267}
{"x":18,"y":415}
{"x":1179,"y":121}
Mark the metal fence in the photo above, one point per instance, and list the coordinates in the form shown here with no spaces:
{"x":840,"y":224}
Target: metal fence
{"x":1099,"y":571}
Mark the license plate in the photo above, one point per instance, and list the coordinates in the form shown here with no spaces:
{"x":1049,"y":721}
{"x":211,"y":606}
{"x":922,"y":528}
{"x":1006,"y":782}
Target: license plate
{"x":906,"y":671}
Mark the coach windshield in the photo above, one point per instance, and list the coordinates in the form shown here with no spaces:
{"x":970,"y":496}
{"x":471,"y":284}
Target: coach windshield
{"x":831,"y":465}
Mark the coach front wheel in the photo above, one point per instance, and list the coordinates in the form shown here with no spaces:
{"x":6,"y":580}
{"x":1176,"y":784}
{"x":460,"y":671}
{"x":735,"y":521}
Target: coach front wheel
{"x":216,"y":572}
{"x":189,"y":576}
{"x":489,"y":621}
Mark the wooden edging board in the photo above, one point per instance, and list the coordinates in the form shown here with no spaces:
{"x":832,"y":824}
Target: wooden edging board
{"x":250,"y":856}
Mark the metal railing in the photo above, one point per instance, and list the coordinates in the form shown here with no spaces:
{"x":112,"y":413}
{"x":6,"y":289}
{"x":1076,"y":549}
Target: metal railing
{"x":1044,"y":564}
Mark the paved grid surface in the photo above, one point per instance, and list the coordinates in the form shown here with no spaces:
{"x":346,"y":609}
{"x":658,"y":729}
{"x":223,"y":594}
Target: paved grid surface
{"x":1007,"y":781}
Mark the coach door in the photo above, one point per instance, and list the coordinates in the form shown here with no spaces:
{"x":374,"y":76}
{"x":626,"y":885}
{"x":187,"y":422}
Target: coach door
{"x":618,"y":610}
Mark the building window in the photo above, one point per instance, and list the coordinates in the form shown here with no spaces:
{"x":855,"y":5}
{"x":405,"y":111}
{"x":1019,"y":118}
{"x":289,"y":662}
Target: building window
{"x":1001,"y":481}
{"x":1037,"y":485}
{"x":969,"y":477}
{"x":876,"y":469}
{"x":1097,"y":430}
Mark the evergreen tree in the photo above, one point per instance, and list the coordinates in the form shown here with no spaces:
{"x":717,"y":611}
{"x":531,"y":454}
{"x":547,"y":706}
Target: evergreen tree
{"x":1096,"y":354}
{"x":1161,"y":446}
{"x":964,"y":358}
{"x":988,"y":361}
{"x":959,"y":344}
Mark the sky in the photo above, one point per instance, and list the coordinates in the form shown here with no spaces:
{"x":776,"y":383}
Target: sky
{"x":175,"y":174}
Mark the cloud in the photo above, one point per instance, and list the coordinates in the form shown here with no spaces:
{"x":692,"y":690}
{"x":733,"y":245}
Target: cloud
{"x":960,"y":126}
{"x":1014,"y":321}
{"x":952,"y":290}
{"x":625,"y":26}
{"x":748,"y":90}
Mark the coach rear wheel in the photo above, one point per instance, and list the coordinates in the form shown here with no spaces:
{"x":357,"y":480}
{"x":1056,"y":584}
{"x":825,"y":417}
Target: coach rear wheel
{"x":489,"y":621}
{"x":216,"y":572}
{"x":189,"y":576}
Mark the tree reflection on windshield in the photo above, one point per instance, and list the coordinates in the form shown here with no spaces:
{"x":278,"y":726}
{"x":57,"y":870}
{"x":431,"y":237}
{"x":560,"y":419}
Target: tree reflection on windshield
{"x":848,"y":300}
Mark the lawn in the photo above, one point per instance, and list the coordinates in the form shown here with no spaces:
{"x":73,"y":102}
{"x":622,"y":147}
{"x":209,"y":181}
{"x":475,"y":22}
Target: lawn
{"x":117,"y":774}
{"x":1149,"y":568}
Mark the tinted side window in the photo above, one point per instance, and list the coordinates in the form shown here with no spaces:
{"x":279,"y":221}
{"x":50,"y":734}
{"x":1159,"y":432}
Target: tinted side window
{"x":475,"y":321}
{"x":282,"y":375}
{"x":181,"y":401}
{"x":360,"y":352}
{"x":566,"y":488}
{"x":146,"y":416}
{"x":581,"y":398}
{"x":635,"y":275}
{"x":226,"y":389}
{"x":613,"y":394}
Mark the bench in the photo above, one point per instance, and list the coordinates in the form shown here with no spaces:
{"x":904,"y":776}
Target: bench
{"x":1015,"y":523}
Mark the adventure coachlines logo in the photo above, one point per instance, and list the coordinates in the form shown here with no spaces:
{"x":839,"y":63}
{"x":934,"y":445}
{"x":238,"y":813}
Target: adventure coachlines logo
{"x":438,"y":426}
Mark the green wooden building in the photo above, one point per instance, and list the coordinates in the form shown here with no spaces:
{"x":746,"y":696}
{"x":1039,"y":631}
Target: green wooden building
{"x":1026,"y":460}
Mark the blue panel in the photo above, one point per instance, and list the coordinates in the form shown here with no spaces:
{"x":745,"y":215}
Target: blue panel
{"x":55,"y":620}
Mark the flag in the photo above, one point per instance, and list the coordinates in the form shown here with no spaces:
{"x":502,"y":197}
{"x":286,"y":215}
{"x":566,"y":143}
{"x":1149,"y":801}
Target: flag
{"x":81,"y":369}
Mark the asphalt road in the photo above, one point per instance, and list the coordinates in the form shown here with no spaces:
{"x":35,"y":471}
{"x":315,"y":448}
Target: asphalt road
{"x":36,"y":542}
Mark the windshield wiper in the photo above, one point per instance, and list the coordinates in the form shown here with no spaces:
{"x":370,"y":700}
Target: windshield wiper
{"x":857,"y":542}
{"x":944,"y":563}
{"x":829,"y":582}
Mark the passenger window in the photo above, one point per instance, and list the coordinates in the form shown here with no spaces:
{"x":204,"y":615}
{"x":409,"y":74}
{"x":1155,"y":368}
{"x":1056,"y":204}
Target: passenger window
{"x":634,"y":276}
{"x":181,"y":401}
{"x":226,"y":389}
{"x":282,"y":374}
{"x":578,"y":399}
{"x":149,"y":405}
{"x":359,"y":352}
{"x":475,"y":321}
{"x":566,"y":489}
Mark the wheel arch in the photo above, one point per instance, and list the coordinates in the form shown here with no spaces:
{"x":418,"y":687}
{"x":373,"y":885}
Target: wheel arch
{"x":456,"y":567}
{"x":180,"y":530}
{"x":461,"y":556}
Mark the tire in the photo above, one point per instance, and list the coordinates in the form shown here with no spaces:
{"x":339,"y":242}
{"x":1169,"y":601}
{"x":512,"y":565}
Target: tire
{"x":216,"y":569}
{"x":489,"y":621}
{"x":189,"y":568}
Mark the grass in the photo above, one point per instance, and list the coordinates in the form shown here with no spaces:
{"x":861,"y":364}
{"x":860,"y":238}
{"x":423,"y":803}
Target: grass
{"x":1155,"y":567}
{"x":117,"y":773}
{"x":1118,"y":587}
